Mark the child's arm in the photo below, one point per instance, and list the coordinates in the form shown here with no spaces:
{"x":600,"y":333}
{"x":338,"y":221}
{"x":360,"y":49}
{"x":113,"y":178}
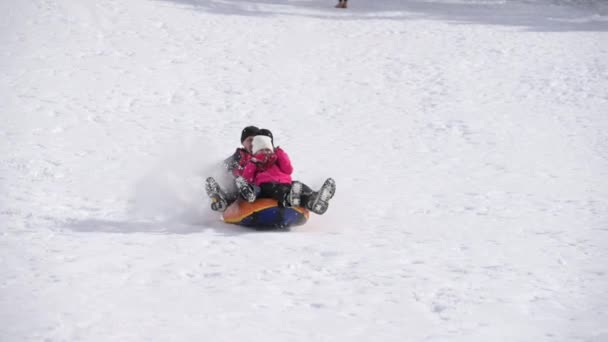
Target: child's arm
{"x":233,"y":161}
{"x":283,"y":161}
{"x":249,"y":172}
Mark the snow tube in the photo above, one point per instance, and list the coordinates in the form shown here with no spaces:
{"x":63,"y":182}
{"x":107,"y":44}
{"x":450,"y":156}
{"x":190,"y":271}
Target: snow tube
{"x":264,"y":213}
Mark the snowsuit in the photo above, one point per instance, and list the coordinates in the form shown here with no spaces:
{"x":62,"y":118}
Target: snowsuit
{"x":268,"y":175}
{"x":271,"y":174}
{"x":269,"y":167}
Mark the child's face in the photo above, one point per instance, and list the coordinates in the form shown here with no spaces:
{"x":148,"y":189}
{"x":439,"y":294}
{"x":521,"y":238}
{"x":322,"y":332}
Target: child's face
{"x":248,"y":143}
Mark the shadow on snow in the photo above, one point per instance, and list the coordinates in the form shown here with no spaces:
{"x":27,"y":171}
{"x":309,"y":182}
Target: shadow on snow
{"x":154,"y":227}
{"x":548,"y":16}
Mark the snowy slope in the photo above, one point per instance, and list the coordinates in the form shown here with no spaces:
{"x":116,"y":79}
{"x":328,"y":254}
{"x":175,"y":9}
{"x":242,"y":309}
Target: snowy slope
{"x":469,"y":141}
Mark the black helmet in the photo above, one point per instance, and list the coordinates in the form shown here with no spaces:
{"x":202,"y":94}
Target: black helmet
{"x":249,"y":131}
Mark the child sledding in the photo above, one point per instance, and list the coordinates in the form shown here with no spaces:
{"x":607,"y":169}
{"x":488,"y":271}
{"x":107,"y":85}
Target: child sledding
{"x":266,"y":196}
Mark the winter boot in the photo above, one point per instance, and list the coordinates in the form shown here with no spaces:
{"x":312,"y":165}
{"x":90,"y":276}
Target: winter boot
{"x":245,"y":189}
{"x":341,"y":4}
{"x":218,"y":197}
{"x":294,"y":194}
{"x":319,"y":202}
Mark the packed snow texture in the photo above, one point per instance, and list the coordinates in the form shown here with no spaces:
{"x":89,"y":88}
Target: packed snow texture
{"x":468,"y":140}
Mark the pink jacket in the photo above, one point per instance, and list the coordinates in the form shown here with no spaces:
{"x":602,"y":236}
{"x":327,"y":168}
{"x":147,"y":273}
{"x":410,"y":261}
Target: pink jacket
{"x":269,"y":168}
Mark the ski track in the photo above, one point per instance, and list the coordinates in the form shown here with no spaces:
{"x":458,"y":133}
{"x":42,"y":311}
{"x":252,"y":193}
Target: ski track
{"x":470,"y":154}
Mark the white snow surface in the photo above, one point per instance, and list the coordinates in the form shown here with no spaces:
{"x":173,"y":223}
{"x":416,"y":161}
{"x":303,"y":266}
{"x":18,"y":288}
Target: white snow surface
{"x":468,"y":140}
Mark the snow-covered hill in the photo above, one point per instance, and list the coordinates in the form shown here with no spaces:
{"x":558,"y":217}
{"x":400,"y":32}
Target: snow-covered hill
{"x":469,"y":141}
